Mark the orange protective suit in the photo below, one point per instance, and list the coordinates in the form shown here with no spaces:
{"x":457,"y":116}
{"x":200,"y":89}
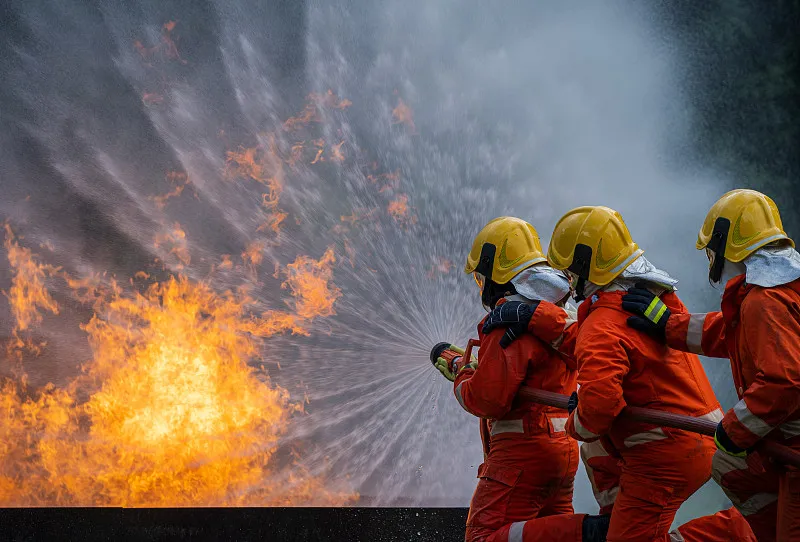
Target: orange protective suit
{"x":759,"y":330}
{"x":661,"y":467}
{"x":526,"y":481}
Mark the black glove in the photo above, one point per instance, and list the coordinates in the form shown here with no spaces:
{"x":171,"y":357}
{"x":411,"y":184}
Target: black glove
{"x":724,"y":443}
{"x":651,"y":313}
{"x":514,"y":315}
{"x":572,"y":404}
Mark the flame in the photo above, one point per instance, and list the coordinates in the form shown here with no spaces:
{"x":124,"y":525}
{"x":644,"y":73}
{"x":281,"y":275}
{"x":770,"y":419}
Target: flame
{"x":312,"y":112}
{"x":403,"y":114}
{"x":388,"y":181}
{"x":180,"y":180}
{"x":399,"y":210}
{"x":168,"y":411}
{"x":244,"y":163}
{"x":28,"y":295}
{"x":254,"y":253}
{"x":337,"y":152}
{"x":174,"y":243}
{"x":226,"y":263}
{"x":314,"y":296}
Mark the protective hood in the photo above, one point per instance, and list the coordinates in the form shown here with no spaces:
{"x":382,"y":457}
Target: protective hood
{"x":542,"y":282}
{"x":641,"y":270}
{"x":772,"y":266}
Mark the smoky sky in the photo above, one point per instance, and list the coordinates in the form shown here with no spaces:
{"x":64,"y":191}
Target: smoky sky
{"x":519,"y":108}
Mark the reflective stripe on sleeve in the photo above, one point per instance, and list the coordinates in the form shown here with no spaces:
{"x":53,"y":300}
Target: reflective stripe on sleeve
{"x":646,"y":436}
{"x":460,"y":398}
{"x":756,"y":503}
{"x":607,"y":497}
{"x":676,"y":536}
{"x":515,"y":532}
{"x":581,"y":430}
{"x":507,"y":426}
{"x":753,"y":423}
{"x":694,"y":334}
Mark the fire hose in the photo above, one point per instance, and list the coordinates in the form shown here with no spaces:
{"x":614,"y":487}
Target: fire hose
{"x":788,"y":520}
{"x":777,"y":451}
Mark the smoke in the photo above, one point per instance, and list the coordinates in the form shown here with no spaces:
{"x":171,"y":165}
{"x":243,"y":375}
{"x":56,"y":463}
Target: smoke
{"x":461,"y":111}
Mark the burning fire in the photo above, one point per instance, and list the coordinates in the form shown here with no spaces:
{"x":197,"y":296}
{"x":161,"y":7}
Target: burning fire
{"x":404,"y":115}
{"x":399,"y":210}
{"x":168,"y":411}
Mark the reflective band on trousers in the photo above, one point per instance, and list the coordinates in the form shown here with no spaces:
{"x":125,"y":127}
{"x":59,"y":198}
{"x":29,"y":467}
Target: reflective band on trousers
{"x":790,"y":429}
{"x":694,"y":334}
{"x":581,"y":430}
{"x":559,"y":424}
{"x":646,"y":436}
{"x":507,"y":426}
{"x":676,"y":536}
{"x":515,"y":532}
{"x":753,"y":423}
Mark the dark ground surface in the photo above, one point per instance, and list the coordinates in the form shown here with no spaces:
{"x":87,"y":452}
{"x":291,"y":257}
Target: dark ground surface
{"x":338,"y":524}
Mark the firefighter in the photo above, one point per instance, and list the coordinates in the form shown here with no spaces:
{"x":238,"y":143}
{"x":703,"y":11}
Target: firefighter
{"x":660,"y":467}
{"x":526,"y":481}
{"x":753,"y":262}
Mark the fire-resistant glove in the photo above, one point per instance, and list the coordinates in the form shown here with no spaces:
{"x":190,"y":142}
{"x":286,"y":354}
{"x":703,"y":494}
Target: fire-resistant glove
{"x":513,"y":315}
{"x":651,"y":313}
{"x":572,"y":404}
{"x":724,"y":443}
{"x":450,"y":361}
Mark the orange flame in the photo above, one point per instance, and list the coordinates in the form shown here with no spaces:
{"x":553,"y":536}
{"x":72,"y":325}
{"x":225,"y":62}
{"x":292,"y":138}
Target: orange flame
{"x":399,"y":210}
{"x":403,"y":114}
{"x":168,"y":411}
{"x":174,"y":242}
{"x":337,"y":152}
{"x":309,"y":282}
{"x":254,"y":253}
{"x":28,"y":295}
{"x":177,"y":178}
{"x":315,"y":104}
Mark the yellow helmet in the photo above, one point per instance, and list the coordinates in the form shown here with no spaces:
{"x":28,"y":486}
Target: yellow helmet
{"x":739,"y":223}
{"x":594,"y":243}
{"x":503,"y":248}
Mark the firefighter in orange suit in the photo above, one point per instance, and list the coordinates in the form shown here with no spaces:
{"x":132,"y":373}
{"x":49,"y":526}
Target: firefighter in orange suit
{"x":758,"y":328}
{"x":660,"y":467}
{"x":525,"y":484}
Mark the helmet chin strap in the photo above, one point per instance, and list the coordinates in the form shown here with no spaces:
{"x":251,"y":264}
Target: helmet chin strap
{"x":579,"y":289}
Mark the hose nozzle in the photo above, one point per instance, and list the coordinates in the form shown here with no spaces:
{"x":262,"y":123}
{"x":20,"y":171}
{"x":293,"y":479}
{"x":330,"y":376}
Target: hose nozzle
{"x":437,"y":351}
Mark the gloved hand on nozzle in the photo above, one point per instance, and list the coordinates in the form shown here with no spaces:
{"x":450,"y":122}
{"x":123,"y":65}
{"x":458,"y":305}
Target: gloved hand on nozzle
{"x":449,"y":360}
